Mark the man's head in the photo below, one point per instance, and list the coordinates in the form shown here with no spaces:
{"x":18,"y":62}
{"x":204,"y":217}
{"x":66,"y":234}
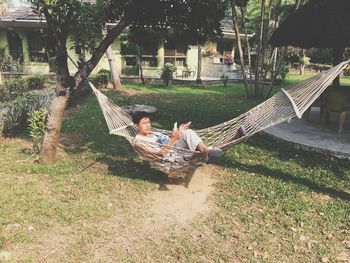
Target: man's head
{"x":142,"y":123}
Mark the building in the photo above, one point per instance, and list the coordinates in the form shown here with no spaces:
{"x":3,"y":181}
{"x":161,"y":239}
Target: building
{"x":21,"y":31}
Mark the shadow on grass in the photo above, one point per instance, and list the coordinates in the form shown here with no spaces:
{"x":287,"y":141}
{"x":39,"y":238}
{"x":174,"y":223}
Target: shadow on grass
{"x":133,"y":169}
{"x":288,"y":178}
{"x":305,"y":159}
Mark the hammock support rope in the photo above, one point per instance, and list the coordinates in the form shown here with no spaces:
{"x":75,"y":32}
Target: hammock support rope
{"x":286,"y":104}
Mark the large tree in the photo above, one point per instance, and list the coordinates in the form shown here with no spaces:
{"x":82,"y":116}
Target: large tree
{"x":197,"y":19}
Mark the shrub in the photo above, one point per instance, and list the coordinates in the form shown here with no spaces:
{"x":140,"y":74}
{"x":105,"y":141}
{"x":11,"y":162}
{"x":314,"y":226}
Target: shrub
{"x":167,"y":73}
{"x":106,"y":72}
{"x":346,"y":72}
{"x":319,"y":67}
{"x":4,"y":93}
{"x":14,"y":114}
{"x":304,"y":61}
{"x":36,"y":127}
{"x":100,"y":80}
{"x":284,"y":69}
{"x":6,"y":61}
{"x":16,"y":87}
{"x":268,"y":70}
{"x":35,"y":82}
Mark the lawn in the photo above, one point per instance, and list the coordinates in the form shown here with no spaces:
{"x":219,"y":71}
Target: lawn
{"x":269,"y":203}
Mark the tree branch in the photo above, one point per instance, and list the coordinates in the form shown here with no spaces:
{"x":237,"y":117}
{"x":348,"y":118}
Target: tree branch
{"x":100,"y":51}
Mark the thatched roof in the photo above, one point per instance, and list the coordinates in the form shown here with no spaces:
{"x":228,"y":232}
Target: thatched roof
{"x":320,"y":23}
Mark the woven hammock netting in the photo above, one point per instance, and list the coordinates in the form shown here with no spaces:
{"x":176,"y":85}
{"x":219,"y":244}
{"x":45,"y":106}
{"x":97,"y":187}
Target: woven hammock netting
{"x":288,"y":103}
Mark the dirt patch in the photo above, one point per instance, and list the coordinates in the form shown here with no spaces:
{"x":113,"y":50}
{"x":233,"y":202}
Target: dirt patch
{"x":163,"y":213}
{"x":181,"y":204}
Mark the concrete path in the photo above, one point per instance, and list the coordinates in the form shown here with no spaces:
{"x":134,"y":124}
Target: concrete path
{"x":312,"y":136}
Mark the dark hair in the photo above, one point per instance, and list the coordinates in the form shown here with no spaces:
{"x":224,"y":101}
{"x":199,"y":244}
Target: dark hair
{"x":139,"y":116}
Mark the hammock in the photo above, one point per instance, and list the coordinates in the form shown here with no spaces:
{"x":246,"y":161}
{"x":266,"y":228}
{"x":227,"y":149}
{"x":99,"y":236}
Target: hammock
{"x":286,"y":104}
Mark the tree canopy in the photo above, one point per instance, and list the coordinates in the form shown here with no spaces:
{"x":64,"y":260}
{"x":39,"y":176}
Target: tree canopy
{"x":195,"y":20}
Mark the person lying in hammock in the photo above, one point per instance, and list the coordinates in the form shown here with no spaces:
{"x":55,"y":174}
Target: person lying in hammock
{"x":182,"y":137}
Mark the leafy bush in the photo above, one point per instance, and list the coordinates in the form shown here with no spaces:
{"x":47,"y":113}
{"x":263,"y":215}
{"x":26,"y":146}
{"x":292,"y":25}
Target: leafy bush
{"x":284,"y":69}
{"x":268,"y":71}
{"x":106,"y":72}
{"x":4,"y":93}
{"x":304,"y":61}
{"x":101,"y":79}
{"x":16,"y":87}
{"x":6,"y":62}
{"x":14,"y":114}
{"x":36,"y":127}
{"x":35,"y":82}
{"x":167,"y":73}
{"x":346,"y":72}
{"x":319,"y":67}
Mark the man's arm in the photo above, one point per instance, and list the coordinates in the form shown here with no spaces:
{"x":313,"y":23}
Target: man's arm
{"x":144,"y":149}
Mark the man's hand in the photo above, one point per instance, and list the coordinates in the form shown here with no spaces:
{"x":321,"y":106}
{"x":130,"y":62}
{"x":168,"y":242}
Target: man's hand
{"x":175,"y":135}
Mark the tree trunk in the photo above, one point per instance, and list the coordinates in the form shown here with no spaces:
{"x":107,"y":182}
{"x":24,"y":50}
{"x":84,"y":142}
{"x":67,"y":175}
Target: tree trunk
{"x":250,"y":91}
{"x":199,"y":65}
{"x":141,"y":73}
{"x":302,"y":62}
{"x":239,"y":44}
{"x":337,"y":58}
{"x":113,"y":68}
{"x":139,"y":63}
{"x":52,"y":134}
{"x":265,"y":36}
{"x":273,"y":59}
{"x":258,"y":56}
{"x":65,"y":85}
{"x":276,"y":71}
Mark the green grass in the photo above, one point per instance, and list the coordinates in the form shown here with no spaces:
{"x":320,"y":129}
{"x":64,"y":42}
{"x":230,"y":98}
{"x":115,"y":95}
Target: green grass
{"x":272,"y":203}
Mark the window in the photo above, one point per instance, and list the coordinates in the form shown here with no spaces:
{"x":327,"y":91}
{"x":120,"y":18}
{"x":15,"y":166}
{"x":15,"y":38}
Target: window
{"x":148,"y":61}
{"x":175,"y":54}
{"x":15,"y":46}
{"x":130,"y":60}
{"x":224,"y":48}
{"x":149,"y":56}
{"x":37,"y":52}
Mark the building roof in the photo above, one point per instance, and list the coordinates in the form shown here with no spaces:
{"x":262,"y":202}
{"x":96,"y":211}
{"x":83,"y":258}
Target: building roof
{"x":25,"y":17}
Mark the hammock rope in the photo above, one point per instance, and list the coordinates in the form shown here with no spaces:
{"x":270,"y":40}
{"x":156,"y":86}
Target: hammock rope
{"x":288,"y":103}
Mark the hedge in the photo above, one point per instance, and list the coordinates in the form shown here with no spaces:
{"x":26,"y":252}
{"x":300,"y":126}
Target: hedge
{"x":14,"y":114}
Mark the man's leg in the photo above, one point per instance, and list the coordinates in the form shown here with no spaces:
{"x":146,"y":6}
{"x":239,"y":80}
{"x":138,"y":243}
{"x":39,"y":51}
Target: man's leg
{"x":202,"y":148}
{"x":190,"y":140}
